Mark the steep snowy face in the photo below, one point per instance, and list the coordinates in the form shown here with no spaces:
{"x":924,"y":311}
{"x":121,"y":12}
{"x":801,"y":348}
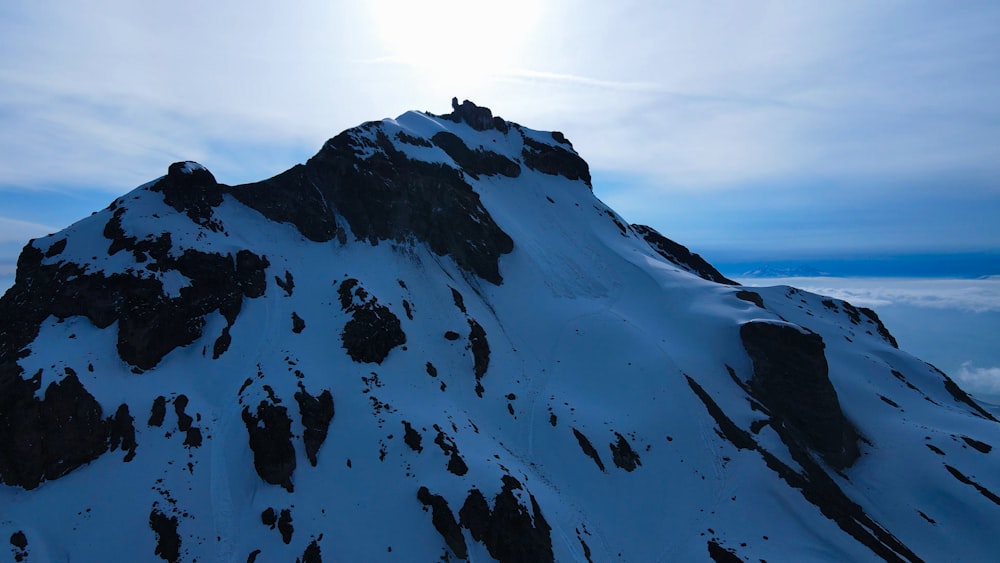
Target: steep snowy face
{"x":431,"y":341}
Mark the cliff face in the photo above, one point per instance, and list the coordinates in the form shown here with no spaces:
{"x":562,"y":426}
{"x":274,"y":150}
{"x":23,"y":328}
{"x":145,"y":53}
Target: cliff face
{"x":431,"y":341}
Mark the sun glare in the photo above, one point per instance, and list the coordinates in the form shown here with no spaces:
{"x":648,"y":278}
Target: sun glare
{"x":470,"y":37}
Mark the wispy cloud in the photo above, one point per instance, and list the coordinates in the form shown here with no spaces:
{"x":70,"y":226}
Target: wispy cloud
{"x":15,"y":230}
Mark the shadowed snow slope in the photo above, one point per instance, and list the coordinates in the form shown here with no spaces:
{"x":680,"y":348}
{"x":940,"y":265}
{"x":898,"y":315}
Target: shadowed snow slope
{"x":432,"y":342}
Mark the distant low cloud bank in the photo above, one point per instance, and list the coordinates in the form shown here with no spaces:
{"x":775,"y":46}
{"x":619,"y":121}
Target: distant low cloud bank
{"x":975,"y":295}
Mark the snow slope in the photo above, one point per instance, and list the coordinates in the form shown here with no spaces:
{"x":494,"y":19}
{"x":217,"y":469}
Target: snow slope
{"x":573,"y":395}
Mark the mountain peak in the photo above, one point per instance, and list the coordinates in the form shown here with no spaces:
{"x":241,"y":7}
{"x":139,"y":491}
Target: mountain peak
{"x":479,"y":118}
{"x":432,"y":339}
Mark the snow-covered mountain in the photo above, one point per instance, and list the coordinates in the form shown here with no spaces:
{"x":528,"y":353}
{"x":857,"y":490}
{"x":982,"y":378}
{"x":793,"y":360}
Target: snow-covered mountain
{"x":432,"y":342}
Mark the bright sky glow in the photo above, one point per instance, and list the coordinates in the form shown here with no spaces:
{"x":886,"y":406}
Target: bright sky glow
{"x":474,"y":39}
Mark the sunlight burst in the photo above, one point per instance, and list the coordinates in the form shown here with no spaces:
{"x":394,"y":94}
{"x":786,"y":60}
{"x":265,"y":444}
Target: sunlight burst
{"x":467,"y":38}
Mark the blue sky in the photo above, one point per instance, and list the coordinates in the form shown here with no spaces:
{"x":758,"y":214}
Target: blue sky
{"x":764,"y":130}
{"x":859,"y":137}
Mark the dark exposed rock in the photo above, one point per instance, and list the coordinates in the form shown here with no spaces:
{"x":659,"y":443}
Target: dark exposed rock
{"x":412,"y":438}
{"x":184,"y":420}
{"x":312,"y":554}
{"x":751,"y":297}
{"x":479,"y":118}
{"x":45,"y":439}
{"x":168,"y":541}
{"x":444,"y":522}
{"x":509,"y":530}
{"x":451,"y":335}
{"x":150,"y":323}
{"x":385,"y":196}
{"x":192,"y":437}
{"x":888,"y":401}
{"x":285,"y":525}
{"x":475,"y":162}
{"x":852,"y":312}
{"x":458,"y":299}
{"x":373,"y":330}
{"x":680,"y":256}
{"x":298,"y":325}
{"x":456,"y":464}
{"x":56,"y":248}
{"x":553,"y":160}
{"x":962,"y":397}
{"x":121,"y":432}
{"x":588,"y":448}
{"x":882,"y":331}
{"x":981,"y":447}
{"x":814,"y":483}
{"x":19,"y":540}
{"x":268,"y":517}
{"x":316,"y":413}
{"x":292,"y":197}
{"x":158,"y":412}
{"x":252,"y":558}
{"x":790,"y":378}
{"x":623,"y":455}
{"x":720,"y":554}
{"x":193,"y":190}
{"x":270,"y":435}
{"x":732,"y":433}
{"x":411,"y":140}
{"x":963,"y":479}
{"x":287,"y":284}
{"x":431,"y":370}
{"x":480,"y":348}
{"x":389,"y":197}
{"x":221,"y":343}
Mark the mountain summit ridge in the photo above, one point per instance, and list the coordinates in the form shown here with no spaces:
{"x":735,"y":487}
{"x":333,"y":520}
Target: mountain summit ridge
{"x":432,"y":341}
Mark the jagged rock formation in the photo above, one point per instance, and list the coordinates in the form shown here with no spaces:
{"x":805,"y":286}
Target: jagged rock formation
{"x":519,"y":374}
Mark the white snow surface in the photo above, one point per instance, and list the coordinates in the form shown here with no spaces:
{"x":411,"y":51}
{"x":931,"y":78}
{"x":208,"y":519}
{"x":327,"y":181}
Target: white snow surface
{"x":590,"y":330}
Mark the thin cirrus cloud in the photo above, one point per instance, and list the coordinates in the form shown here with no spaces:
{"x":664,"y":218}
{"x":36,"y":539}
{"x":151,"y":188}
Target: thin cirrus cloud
{"x":791,"y":110}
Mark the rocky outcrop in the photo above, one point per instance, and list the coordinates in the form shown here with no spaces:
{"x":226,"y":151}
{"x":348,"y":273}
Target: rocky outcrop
{"x":510,"y":531}
{"x":150,"y":323}
{"x":44,"y":439}
{"x":791,"y":379}
{"x":556,"y":161}
{"x":316,"y":413}
{"x":373,"y":331}
{"x":623,"y":455}
{"x":679,"y":255}
{"x":479,"y":118}
{"x":475,"y":162}
{"x":191,"y":189}
{"x":270,"y":432}
{"x":444,"y":522}
{"x":385,"y":196}
{"x":168,"y":541}
{"x":588,"y":448}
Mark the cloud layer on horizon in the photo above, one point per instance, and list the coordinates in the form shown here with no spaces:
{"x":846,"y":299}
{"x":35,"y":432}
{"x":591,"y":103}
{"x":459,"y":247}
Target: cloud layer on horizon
{"x":974,"y":296}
